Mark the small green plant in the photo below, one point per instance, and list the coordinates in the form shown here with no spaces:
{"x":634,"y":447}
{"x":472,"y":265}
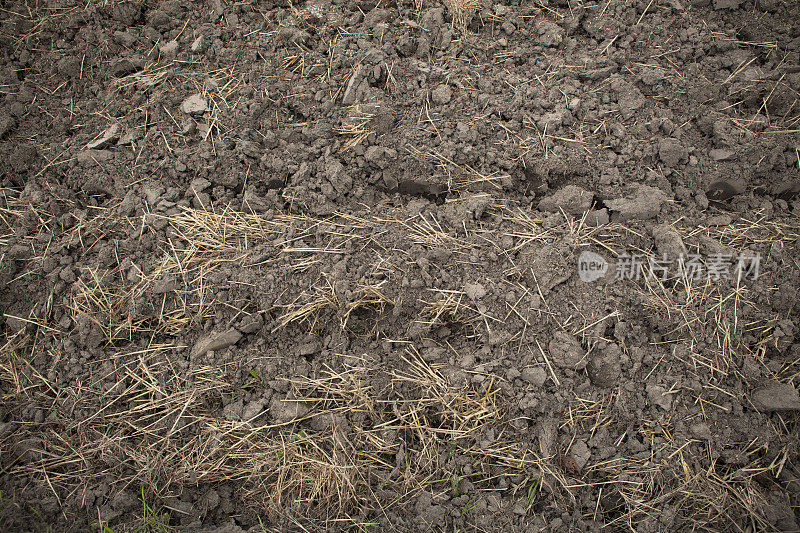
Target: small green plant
{"x":455,"y":481}
{"x":254,"y":381}
{"x":102,"y":527}
{"x":533,"y":494}
{"x":153,"y":521}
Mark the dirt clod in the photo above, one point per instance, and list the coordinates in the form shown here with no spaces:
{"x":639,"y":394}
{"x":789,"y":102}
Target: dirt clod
{"x":671,"y":151}
{"x":604,"y":367}
{"x":196,"y":104}
{"x":536,"y":375}
{"x":283,"y":411}
{"x":668,"y":242}
{"x":7,"y":123}
{"x":658,"y":395}
{"x":566,"y":351}
{"x":642,"y":202}
{"x":571,"y":199}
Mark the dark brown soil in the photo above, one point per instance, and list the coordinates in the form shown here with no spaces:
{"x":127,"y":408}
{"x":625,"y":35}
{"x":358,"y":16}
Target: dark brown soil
{"x":315,"y":266}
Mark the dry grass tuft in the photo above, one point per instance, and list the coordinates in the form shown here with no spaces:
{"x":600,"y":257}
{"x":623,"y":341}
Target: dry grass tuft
{"x":153,"y":428}
{"x":355,"y":125}
{"x":107,"y":300}
{"x":462,"y":12}
{"x":370,"y":299}
{"x":457,"y":177}
{"x":309,"y":304}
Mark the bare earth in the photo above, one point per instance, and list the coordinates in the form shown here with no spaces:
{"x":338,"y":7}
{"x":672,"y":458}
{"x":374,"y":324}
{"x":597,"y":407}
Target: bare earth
{"x":315,"y":266}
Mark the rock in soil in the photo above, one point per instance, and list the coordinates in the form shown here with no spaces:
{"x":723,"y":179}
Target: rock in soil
{"x":215,"y":342}
{"x":776,"y":397}
{"x":109,"y":136}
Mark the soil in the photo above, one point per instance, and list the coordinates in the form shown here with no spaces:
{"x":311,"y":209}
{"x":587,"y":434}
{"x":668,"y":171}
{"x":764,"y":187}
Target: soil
{"x":271,"y":266}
